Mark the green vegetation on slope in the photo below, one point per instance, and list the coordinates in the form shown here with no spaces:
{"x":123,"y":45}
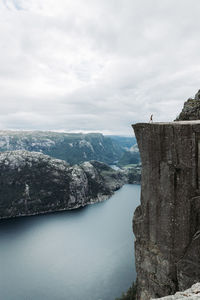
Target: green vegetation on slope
{"x":130,"y":294}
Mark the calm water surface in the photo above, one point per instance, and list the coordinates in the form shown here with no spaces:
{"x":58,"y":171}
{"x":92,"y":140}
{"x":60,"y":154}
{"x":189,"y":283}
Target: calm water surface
{"x":85,"y":254}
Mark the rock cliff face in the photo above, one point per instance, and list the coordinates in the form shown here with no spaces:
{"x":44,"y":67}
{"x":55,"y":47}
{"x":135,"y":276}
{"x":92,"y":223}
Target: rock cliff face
{"x":167,"y":223}
{"x":33,"y":183}
{"x":191,"y":109}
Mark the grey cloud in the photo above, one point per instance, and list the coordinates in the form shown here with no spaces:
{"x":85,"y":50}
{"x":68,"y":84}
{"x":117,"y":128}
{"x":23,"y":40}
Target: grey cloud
{"x":96,"y":65}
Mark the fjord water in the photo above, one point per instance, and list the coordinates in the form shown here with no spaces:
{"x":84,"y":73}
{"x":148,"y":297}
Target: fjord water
{"x":84,"y":254}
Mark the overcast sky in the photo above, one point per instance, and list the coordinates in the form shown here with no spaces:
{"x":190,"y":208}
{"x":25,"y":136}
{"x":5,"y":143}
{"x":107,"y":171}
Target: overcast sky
{"x":96,"y":65}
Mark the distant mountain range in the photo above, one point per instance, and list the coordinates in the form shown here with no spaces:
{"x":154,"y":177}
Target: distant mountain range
{"x":74,"y":148}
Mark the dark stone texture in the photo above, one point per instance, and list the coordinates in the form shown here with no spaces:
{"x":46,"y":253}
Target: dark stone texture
{"x":167,"y":223}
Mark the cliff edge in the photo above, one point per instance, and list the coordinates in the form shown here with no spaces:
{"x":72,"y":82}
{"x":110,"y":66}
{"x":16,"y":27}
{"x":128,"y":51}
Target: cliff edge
{"x":167,"y":223}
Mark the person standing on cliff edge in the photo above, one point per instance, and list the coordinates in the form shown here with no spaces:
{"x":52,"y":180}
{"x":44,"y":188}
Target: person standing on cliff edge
{"x":151,"y":119}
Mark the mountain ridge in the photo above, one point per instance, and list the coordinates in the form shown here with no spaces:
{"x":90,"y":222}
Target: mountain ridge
{"x":72,"y":147}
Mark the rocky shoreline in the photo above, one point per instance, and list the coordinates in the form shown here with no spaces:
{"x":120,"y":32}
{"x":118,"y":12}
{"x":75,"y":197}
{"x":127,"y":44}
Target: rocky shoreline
{"x":92,"y":201}
{"x":33,"y":183}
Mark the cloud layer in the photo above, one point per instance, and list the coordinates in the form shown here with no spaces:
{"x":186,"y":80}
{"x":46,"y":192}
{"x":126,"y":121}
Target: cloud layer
{"x":96,"y":65}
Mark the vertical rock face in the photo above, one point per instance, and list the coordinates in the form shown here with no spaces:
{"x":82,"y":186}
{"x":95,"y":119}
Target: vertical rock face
{"x":167,"y":223}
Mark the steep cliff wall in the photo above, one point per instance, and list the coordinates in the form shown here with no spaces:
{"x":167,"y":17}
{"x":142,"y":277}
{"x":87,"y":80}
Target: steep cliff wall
{"x":167,"y":223}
